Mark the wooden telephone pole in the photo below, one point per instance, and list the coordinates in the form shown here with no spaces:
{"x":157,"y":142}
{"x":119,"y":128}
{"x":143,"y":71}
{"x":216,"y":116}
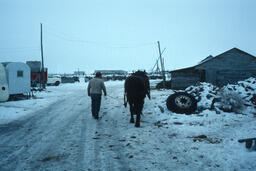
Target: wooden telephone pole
{"x":162,"y":64}
{"x":42,"y":56}
{"x":156,"y":64}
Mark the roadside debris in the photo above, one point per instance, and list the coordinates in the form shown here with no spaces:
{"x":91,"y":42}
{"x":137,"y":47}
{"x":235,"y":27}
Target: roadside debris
{"x":229,"y":98}
{"x":202,"y":138}
{"x":250,"y":143}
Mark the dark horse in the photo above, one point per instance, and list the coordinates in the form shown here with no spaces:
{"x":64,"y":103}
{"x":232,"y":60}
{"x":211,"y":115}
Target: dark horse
{"x":136,"y":88}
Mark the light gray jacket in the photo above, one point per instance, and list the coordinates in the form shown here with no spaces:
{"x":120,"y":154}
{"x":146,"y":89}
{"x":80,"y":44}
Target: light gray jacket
{"x":95,"y":86}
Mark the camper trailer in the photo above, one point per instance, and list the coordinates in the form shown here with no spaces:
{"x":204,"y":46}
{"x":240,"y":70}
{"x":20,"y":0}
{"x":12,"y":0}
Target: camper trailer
{"x":4,"y":89}
{"x":18,"y":77}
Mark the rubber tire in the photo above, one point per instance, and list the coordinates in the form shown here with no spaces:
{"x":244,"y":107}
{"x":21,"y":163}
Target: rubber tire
{"x":57,"y":83}
{"x":172,"y":106}
{"x":248,"y":144}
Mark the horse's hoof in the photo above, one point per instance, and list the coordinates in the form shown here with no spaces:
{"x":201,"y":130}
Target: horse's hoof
{"x":137,"y":124}
{"x":131,"y":120}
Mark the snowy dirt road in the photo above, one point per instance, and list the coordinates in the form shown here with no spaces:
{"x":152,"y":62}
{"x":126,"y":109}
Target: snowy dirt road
{"x":58,"y":133}
{"x":64,"y":136}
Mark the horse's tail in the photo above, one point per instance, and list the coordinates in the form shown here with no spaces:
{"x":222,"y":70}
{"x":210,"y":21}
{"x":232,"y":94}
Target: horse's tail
{"x":125,"y":100}
{"x":125,"y":92}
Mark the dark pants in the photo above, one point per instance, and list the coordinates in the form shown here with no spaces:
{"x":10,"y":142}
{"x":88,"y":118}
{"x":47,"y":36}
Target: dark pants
{"x":96,"y":101}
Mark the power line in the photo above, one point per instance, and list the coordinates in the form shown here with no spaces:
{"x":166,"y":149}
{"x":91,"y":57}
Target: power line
{"x":103,"y":44}
{"x":19,"y":48}
{"x":69,"y":38}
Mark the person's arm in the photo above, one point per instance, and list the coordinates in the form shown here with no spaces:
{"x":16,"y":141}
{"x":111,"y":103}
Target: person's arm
{"x":104,"y":88}
{"x":89,"y":88}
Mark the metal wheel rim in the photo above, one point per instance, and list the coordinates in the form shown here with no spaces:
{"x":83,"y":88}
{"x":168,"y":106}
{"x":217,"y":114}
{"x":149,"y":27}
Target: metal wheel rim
{"x":183,"y":101}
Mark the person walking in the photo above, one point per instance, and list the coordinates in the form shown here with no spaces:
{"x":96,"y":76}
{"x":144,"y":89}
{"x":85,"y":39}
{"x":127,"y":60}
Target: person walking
{"x":95,"y":88}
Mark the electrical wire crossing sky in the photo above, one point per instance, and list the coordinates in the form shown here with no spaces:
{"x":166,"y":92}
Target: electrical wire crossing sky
{"x":101,"y":35}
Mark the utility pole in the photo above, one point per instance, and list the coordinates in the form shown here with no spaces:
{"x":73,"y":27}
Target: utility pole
{"x":157,"y":68}
{"x":42,"y":56}
{"x":162,"y":63}
{"x":156,"y":64}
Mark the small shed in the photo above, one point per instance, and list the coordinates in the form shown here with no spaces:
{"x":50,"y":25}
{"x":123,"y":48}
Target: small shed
{"x":227,"y":68}
{"x":4,"y":89}
{"x":18,"y":77}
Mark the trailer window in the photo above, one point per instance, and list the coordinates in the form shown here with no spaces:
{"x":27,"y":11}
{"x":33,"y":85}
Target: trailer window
{"x":19,"y":73}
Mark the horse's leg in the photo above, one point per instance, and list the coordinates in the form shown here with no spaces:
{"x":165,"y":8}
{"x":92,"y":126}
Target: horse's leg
{"x":139,"y":108}
{"x":137,"y":124}
{"x":137,"y":111}
{"x":132,"y":112}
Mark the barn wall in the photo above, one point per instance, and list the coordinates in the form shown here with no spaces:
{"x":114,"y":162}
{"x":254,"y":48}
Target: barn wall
{"x":224,"y":77}
{"x":229,"y":68}
{"x":181,"y":79}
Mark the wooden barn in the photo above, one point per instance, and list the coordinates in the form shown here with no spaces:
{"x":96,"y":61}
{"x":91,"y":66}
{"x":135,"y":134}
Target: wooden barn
{"x":229,"y":67}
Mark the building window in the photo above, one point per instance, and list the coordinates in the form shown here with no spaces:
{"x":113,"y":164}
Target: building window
{"x":19,"y":73}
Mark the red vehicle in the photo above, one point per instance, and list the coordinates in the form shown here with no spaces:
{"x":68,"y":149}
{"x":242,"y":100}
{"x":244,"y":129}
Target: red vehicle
{"x":36,"y":73}
{"x":37,"y":77}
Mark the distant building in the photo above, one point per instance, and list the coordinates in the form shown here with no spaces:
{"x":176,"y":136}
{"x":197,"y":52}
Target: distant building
{"x":111,"y":72}
{"x":79,"y":73}
{"x":228,"y":67}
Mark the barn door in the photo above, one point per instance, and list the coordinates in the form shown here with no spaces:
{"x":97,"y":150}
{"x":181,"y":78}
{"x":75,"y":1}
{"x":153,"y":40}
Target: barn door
{"x":211,"y":76}
{"x":202,"y":76}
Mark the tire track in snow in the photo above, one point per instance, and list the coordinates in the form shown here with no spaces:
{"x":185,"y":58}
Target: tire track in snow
{"x":99,"y":152}
{"x":83,"y":137}
{"x":113,"y":158}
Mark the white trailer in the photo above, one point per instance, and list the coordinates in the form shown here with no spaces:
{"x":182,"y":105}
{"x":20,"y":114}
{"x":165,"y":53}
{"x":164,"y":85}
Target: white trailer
{"x":4,"y":89}
{"x":18,"y":76}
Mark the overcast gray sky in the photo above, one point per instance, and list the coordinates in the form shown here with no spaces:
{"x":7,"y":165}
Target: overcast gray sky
{"x":123,"y":34}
